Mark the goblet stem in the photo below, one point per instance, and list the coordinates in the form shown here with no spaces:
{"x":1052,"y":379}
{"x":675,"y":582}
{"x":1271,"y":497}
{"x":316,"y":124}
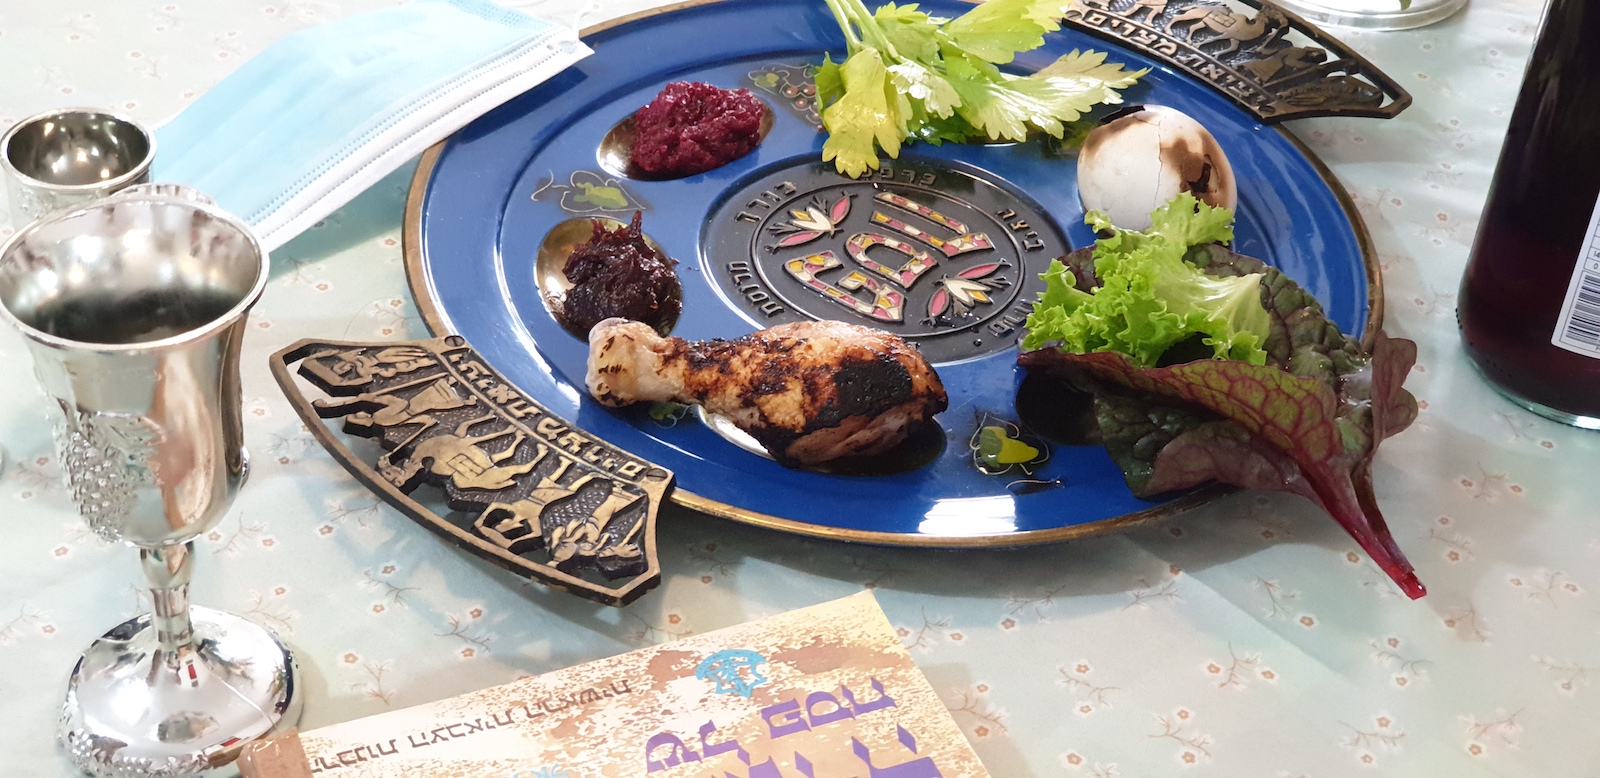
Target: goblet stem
{"x":169,"y":570}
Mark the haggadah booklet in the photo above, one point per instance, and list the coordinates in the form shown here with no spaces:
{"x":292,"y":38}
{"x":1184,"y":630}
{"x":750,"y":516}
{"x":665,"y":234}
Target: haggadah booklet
{"x":821,"y":692}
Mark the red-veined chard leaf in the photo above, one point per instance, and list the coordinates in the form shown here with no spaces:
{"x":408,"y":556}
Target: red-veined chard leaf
{"x":1307,"y":422}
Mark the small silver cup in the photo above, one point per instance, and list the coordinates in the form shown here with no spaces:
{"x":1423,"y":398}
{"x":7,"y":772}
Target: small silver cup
{"x":72,"y":156}
{"x":134,"y":308}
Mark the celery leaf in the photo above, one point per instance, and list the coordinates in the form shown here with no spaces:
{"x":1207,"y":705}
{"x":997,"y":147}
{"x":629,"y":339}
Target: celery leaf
{"x":936,"y":80}
{"x":870,"y":112}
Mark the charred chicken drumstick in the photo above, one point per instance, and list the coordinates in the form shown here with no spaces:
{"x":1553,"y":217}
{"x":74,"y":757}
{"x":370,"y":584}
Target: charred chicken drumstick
{"x":807,"y":391}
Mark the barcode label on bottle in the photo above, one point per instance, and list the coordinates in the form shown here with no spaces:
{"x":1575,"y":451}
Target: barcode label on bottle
{"x":1578,"y":328}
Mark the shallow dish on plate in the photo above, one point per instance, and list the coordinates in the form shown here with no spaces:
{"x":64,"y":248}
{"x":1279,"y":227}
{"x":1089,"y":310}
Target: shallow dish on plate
{"x":988,"y":216}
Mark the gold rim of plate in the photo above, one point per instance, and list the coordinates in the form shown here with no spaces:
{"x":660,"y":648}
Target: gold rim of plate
{"x":432,"y":316}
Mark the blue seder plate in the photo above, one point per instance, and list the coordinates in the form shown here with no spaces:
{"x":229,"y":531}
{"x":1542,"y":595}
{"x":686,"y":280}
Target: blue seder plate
{"x":483,"y":201}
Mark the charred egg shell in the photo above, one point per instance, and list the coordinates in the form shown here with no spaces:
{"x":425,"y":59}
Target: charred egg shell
{"x":1140,"y":160}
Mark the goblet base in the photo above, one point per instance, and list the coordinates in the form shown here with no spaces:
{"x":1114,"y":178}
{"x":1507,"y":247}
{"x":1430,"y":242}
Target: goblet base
{"x":1374,"y":14}
{"x":136,"y":709}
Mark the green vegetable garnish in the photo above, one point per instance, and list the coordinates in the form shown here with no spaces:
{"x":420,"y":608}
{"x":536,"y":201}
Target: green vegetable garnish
{"x":998,"y":450}
{"x":909,"y":75}
{"x":1286,"y":402}
{"x":667,"y":414}
{"x":1149,"y":297}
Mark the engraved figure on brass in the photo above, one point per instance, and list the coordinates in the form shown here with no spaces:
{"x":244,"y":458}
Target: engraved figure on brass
{"x":1227,"y":25}
{"x":1270,"y":61}
{"x":522,"y":488}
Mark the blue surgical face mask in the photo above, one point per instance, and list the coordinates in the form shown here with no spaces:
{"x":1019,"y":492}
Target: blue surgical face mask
{"x":326,"y":112}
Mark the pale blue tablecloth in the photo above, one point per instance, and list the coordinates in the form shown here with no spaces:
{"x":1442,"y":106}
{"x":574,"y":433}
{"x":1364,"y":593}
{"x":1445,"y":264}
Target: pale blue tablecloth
{"x":1249,"y":638}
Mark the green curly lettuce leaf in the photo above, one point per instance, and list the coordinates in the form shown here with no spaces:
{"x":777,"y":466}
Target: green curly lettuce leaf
{"x":1149,"y":297}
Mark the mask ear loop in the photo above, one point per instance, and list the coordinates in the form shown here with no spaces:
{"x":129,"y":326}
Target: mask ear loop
{"x":571,"y":19}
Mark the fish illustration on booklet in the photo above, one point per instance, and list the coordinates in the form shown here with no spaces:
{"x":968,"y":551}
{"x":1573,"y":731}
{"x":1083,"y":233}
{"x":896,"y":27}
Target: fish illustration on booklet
{"x":821,"y":692}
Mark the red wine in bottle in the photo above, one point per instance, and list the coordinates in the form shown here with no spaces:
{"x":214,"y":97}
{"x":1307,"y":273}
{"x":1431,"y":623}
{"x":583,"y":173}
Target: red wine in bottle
{"x":1529,"y":308}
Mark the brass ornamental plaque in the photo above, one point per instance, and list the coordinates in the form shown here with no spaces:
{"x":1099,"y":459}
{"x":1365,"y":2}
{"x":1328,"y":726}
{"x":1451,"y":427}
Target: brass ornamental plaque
{"x":522,"y":488}
{"x":1268,"y":60}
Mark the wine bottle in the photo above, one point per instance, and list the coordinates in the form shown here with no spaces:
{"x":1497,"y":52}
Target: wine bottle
{"x":1529,"y":308}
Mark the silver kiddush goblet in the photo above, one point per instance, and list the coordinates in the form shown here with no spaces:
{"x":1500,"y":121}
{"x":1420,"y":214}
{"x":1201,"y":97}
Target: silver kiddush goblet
{"x":134,"y":308}
{"x":69,"y":157}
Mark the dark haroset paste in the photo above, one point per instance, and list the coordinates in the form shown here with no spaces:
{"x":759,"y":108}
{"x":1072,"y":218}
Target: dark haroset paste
{"x":618,"y":274}
{"x":692,"y":127}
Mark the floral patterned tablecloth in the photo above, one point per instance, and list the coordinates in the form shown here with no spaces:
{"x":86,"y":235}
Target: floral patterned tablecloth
{"x":1248,"y":638}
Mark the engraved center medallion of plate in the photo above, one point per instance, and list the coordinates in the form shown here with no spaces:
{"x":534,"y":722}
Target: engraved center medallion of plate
{"x":946,"y":257}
